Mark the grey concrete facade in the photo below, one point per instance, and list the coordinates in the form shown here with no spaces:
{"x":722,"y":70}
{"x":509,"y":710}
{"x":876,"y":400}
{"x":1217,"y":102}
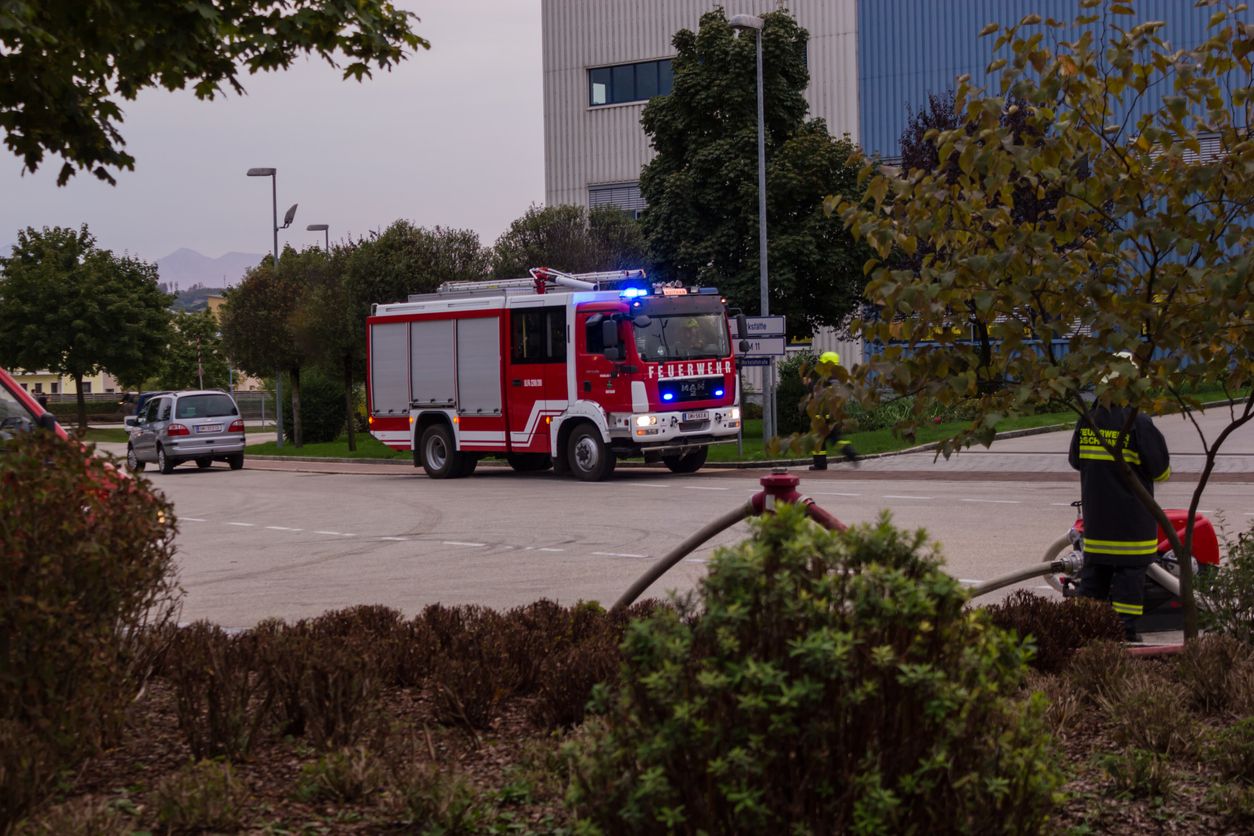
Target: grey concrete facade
{"x":589,"y":146}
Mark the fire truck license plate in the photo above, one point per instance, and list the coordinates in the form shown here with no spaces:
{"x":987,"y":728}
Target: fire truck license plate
{"x":703,"y":415}
{"x":209,"y":428}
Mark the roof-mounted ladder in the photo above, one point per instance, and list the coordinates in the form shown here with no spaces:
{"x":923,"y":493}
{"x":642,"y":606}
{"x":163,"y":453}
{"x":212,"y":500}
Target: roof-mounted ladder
{"x":543,"y":280}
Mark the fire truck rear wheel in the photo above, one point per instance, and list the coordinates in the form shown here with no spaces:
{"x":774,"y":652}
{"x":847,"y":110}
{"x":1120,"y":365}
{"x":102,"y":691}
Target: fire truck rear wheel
{"x":689,"y":462}
{"x":440,"y":458}
{"x":590,"y":458}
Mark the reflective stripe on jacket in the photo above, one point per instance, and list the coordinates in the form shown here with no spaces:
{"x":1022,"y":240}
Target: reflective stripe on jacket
{"x":1117,"y":527}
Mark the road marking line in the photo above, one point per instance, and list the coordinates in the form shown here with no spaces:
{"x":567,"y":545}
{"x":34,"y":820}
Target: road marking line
{"x":1061,"y":504}
{"x":645,"y":485}
{"x":970,"y":581}
{"x":694,"y":560}
{"x":701,"y":488}
{"x":903,"y":496}
{"x":1043,"y":586}
{"x":462,"y":543}
{"x":395,"y":539}
{"x":282,"y":528}
{"x":331,"y":533}
{"x":833,"y":493}
{"x":550,"y":550}
{"x":618,"y":554}
{"x":242,"y":525}
{"x":191,"y":519}
{"x":996,"y":501}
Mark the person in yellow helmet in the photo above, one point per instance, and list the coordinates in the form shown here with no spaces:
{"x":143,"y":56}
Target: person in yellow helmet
{"x":826,"y":365}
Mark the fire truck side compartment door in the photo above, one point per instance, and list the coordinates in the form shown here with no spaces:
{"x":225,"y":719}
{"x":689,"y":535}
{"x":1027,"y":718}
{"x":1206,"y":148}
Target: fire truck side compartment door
{"x":389,"y":369}
{"x":431,"y":362}
{"x":479,"y":366}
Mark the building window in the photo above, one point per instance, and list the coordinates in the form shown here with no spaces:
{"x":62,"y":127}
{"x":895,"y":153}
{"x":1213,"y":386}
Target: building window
{"x":54,"y":388}
{"x":86,"y":387}
{"x":39,"y":387}
{"x":629,"y":82}
{"x":625,"y":196}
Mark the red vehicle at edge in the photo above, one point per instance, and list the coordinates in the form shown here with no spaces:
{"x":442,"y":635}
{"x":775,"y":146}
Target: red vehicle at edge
{"x":20,"y":412}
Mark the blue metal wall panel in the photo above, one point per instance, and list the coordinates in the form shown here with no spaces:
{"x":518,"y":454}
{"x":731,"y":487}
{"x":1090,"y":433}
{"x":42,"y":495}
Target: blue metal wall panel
{"x":909,"y":48}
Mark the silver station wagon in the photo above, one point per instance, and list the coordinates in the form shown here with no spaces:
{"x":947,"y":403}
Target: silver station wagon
{"x":174,"y":427}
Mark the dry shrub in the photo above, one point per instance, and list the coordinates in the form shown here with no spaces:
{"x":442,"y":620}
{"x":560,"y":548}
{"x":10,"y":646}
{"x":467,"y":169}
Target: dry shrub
{"x":1058,"y":627}
{"x":568,"y":677}
{"x":221,"y":700}
{"x":1232,"y":750}
{"x":86,"y":566}
{"x":376,"y":632}
{"x":438,"y":800}
{"x":344,"y":776}
{"x":1099,"y":670}
{"x":1138,"y":773}
{"x":1211,"y":668}
{"x":471,"y":676}
{"x":204,"y":795}
{"x":80,"y":817}
{"x":1234,"y":803}
{"x":320,"y":680}
{"x":1065,"y":709}
{"x":1145,"y":713}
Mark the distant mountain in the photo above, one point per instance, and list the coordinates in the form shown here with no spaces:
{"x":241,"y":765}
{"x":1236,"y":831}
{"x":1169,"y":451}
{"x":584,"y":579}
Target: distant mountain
{"x":183,"y":268}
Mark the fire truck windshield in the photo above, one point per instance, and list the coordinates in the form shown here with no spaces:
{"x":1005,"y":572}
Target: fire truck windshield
{"x":688,"y":336}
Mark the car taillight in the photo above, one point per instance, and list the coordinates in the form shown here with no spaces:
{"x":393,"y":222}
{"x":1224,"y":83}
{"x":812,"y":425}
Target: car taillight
{"x":237,"y":426}
{"x":177,"y":429}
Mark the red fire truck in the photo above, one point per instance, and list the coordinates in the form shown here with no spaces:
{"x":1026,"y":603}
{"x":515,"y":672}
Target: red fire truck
{"x":570,"y":372}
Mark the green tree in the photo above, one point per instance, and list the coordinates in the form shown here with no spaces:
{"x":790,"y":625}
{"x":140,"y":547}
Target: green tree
{"x":1146,"y":249}
{"x":702,"y":187}
{"x":74,"y":309}
{"x":258,"y":319}
{"x":194,"y":358}
{"x":329,"y":324}
{"x":571,"y":239}
{"x":65,"y":65}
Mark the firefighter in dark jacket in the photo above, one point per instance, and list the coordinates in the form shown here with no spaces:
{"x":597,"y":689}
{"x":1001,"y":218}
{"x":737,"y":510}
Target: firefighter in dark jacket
{"x":818,"y":381}
{"x":1120,"y":534}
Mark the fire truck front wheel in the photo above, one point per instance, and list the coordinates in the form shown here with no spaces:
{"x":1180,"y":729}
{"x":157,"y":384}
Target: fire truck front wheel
{"x":590,"y":459}
{"x":440,"y":458}
{"x":689,"y":462}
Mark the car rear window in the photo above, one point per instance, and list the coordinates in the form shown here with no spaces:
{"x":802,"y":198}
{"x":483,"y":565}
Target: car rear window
{"x":205,"y":406}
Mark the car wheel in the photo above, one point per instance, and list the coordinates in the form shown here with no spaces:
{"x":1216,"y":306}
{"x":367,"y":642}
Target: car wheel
{"x":204,"y":462}
{"x":439,"y":457}
{"x":590,"y":458}
{"x":164,"y":463}
{"x":235,"y":460}
{"x":133,"y":463}
{"x":689,"y":462}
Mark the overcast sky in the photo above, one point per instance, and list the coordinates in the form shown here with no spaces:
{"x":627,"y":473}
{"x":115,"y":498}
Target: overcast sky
{"x":453,"y":137}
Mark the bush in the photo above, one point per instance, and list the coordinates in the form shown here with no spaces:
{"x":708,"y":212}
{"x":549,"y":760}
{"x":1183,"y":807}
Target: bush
{"x":344,"y":776}
{"x":1229,"y":592}
{"x":1099,"y":671}
{"x":1146,"y":713}
{"x":1057,"y":628}
{"x":1233,"y":750}
{"x":791,"y":392}
{"x":322,"y":413}
{"x":817,"y":682}
{"x":439,"y":801}
{"x":218,"y":692}
{"x":81,"y":817}
{"x":1213,"y":668}
{"x":201,"y":796}
{"x":86,"y":566}
{"x":1137,"y":773}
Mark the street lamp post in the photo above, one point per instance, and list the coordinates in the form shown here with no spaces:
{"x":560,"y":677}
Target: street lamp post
{"x":272,"y":173}
{"x":754,"y":24}
{"x":323,"y":228}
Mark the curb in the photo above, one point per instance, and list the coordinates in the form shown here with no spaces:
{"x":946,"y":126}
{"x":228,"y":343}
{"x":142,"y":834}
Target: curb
{"x":742,"y":465}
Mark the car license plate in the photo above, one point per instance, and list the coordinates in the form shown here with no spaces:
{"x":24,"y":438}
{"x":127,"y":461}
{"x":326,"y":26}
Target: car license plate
{"x":209,"y":428}
{"x":703,"y":415}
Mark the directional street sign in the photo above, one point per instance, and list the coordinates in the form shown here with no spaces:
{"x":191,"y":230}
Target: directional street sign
{"x":746,"y":361}
{"x":765,"y":326}
{"x":765,"y":347}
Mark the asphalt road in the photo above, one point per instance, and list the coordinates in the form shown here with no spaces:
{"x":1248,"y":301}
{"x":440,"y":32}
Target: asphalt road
{"x":270,"y":541}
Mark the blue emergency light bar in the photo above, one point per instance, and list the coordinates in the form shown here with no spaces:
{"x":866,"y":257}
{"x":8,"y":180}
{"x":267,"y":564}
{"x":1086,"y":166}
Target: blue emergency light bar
{"x":633,"y":292}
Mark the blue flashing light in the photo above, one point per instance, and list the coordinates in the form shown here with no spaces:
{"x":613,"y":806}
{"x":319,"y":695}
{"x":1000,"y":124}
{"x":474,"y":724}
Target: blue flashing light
{"x":668,"y":396}
{"x":718,"y":393}
{"x":633,"y":292}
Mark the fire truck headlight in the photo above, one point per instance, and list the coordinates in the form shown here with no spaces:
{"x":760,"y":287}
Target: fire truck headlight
{"x":646,"y":420}
{"x":735,"y":413}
